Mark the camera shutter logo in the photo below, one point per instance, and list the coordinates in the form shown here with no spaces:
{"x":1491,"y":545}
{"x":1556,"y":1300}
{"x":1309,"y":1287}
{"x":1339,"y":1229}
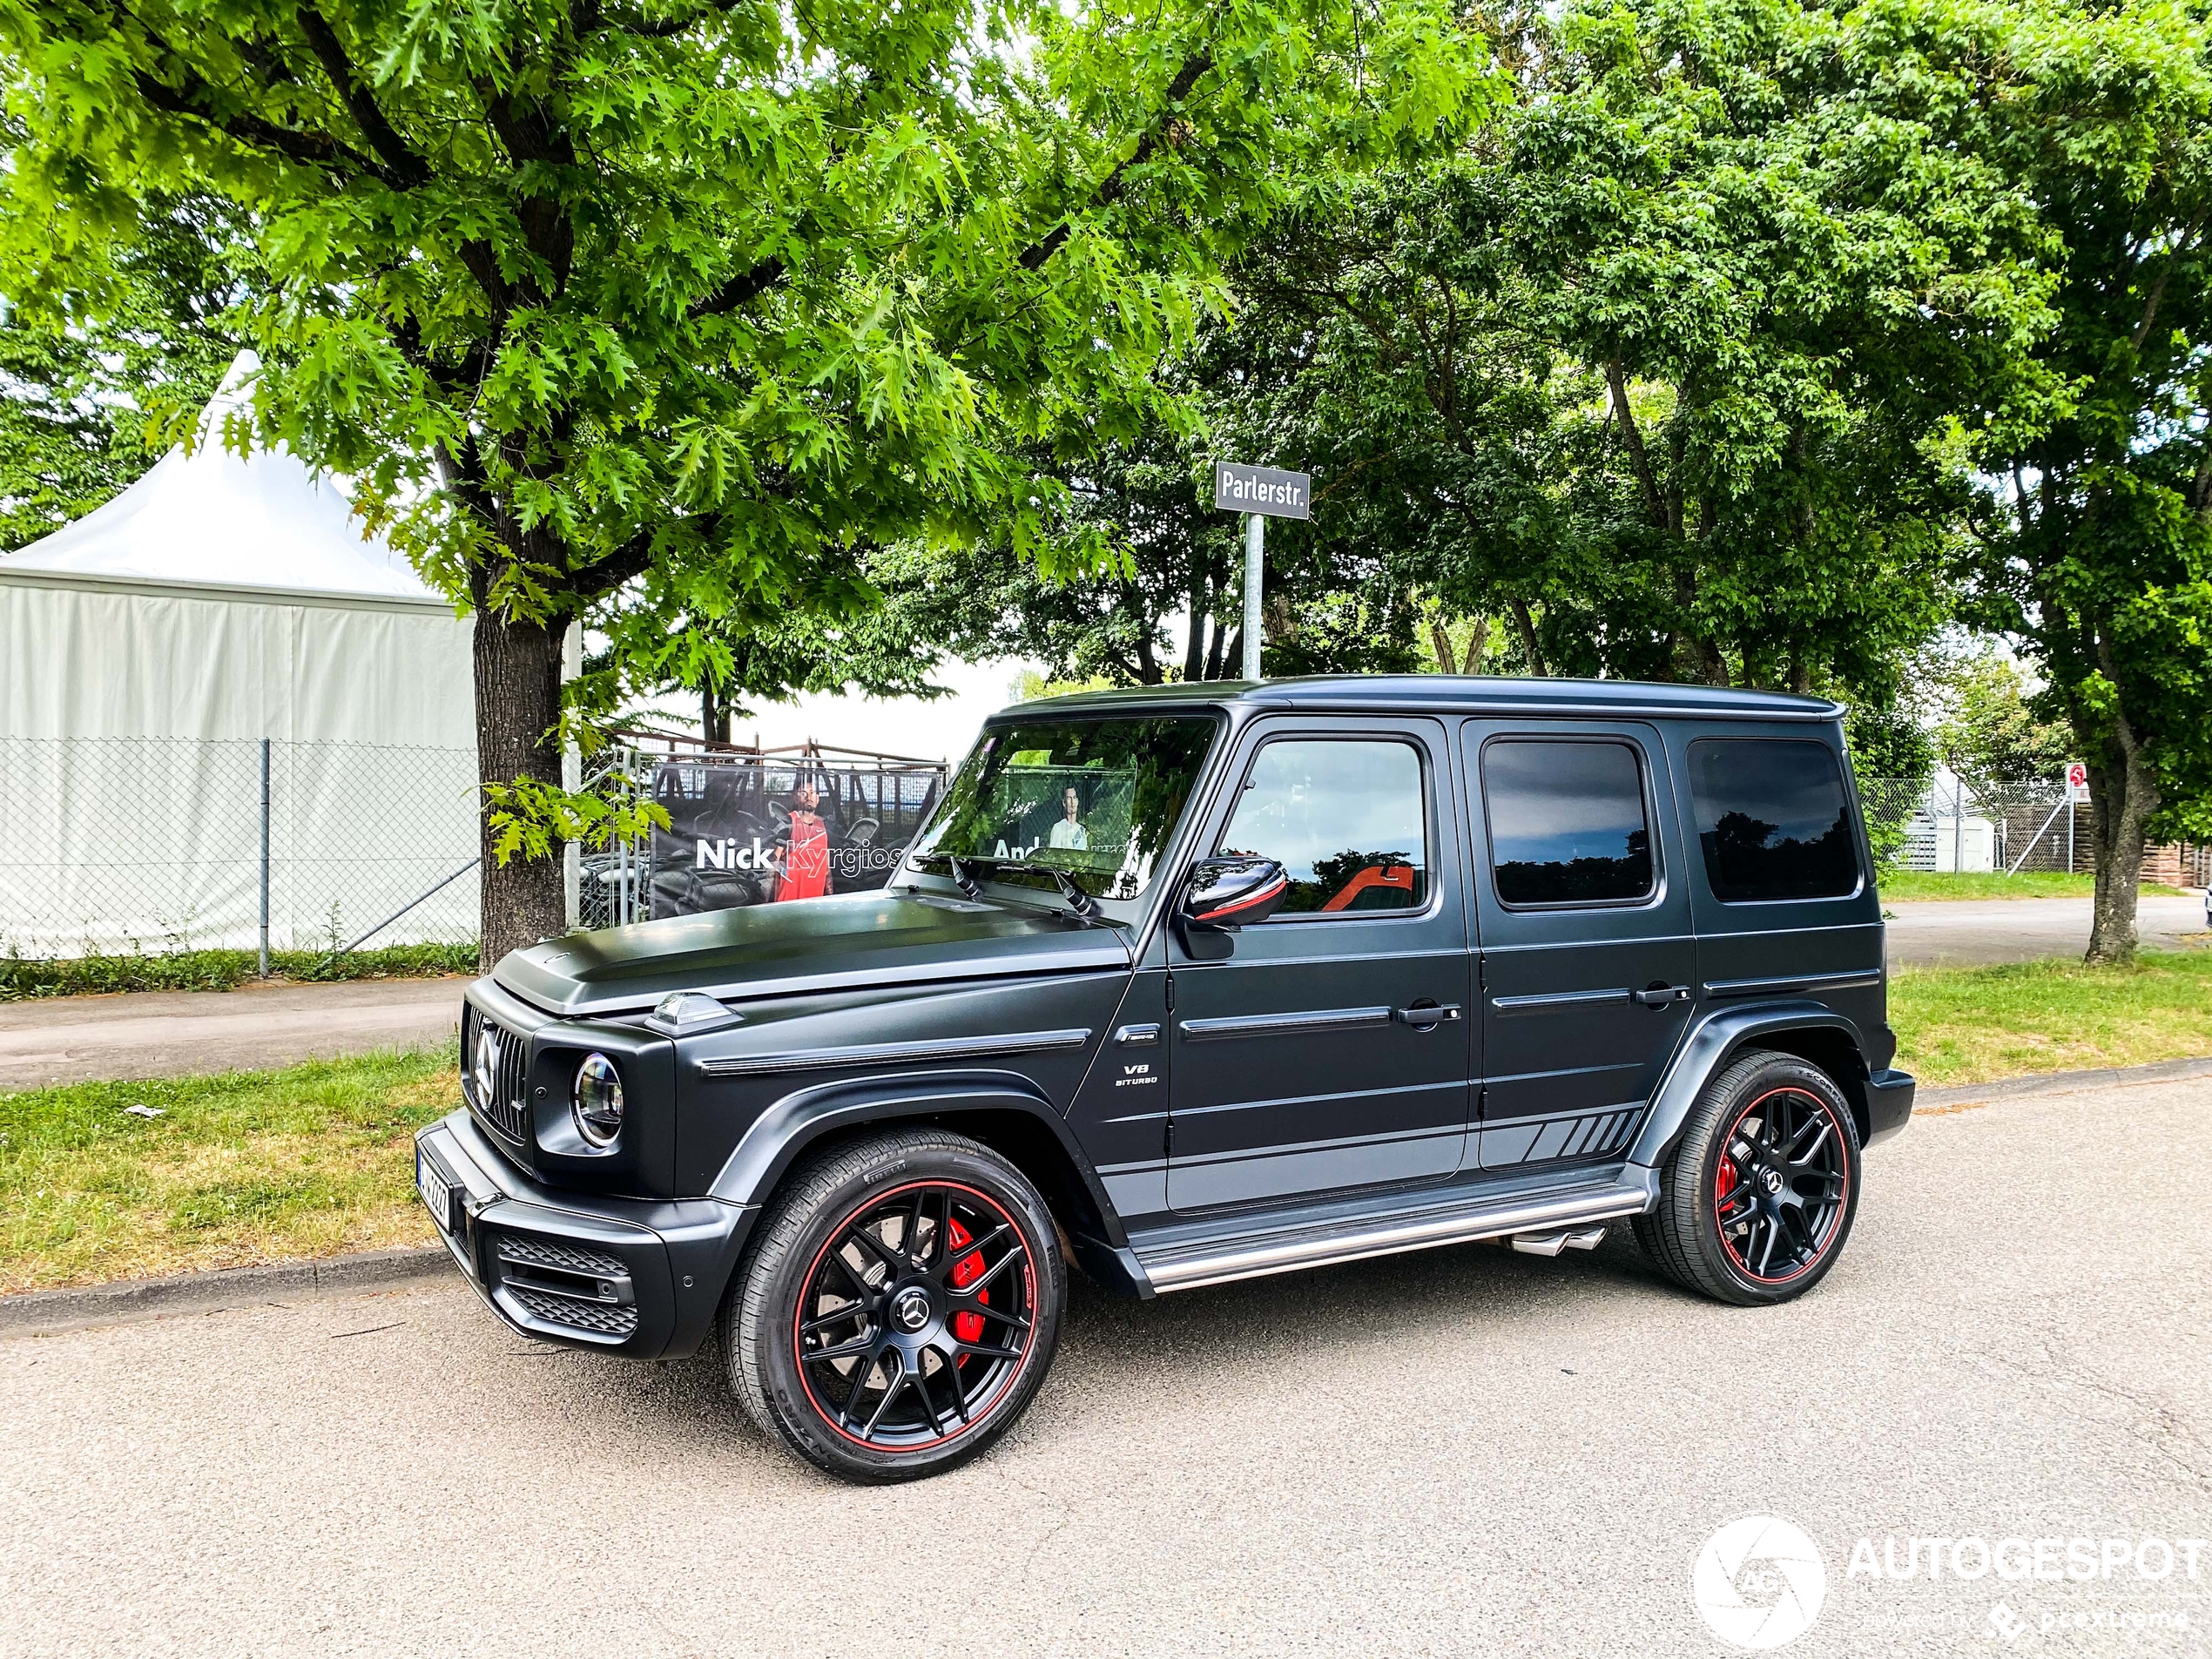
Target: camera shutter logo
{"x":1759,"y":1582}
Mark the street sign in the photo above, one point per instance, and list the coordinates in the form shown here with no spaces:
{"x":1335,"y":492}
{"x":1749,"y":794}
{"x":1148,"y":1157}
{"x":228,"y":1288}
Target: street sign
{"x":1259,"y":493}
{"x":1239,"y":488}
{"x":2077,"y":780}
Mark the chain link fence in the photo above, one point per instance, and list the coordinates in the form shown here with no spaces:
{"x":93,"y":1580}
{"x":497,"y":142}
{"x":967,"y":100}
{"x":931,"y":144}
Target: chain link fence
{"x":1946,"y":823}
{"x":121,"y":845}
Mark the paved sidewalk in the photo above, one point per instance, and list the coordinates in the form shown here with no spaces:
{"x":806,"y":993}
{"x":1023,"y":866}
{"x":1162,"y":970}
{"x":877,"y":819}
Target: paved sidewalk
{"x":169,"y":1034}
{"x":1962,"y":932}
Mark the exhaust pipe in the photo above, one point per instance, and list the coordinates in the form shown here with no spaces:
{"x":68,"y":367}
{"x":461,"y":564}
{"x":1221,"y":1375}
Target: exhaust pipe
{"x":1552,"y":1244}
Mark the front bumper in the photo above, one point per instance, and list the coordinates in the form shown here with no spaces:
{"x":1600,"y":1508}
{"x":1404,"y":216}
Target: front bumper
{"x":1889,"y":1103}
{"x":637,"y":1277}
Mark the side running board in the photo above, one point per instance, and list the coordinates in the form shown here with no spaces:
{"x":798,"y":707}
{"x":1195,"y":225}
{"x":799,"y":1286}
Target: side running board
{"x":1542,"y":1222}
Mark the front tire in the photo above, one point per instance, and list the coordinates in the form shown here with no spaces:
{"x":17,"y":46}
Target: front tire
{"x":900,"y":1308}
{"x":1760,"y":1195}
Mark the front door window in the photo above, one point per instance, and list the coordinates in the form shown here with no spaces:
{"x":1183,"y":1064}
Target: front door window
{"x":1346,"y":819}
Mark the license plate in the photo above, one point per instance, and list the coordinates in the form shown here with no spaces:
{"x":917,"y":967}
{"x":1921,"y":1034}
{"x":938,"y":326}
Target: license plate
{"x":436,"y":1190}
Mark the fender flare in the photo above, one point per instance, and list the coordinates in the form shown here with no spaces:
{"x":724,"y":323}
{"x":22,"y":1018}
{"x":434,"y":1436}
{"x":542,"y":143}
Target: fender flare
{"x":1711,"y":1044}
{"x":782,"y":1133}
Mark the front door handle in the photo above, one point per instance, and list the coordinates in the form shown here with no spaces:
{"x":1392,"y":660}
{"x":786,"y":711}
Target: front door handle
{"x":1659,"y":996}
{"x":1426,"y":1016}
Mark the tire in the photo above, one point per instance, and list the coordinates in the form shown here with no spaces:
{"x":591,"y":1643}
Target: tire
{"x":1758,"y":1198}
{"x":926,"y":1264}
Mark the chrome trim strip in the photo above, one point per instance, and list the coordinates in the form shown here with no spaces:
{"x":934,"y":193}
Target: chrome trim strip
{"x":1494,"y":1222}
{"x":1792,"y":982}
{"x":1557,"y":1000}
{"x":1264,"y":1025}
{"x":894,"y":1053}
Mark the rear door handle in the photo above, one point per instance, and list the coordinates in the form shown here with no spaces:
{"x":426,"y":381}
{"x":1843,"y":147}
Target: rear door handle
{"x":1658,"y":996}
{"x":1426,"y":1016}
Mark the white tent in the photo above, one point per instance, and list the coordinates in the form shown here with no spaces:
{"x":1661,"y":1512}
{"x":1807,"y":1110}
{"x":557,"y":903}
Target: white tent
{"x":146,"y":652}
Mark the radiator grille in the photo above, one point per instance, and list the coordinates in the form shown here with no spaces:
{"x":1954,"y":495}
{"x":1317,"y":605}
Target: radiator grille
{"x":581,"y":1316}
{"x":504,"y":1109}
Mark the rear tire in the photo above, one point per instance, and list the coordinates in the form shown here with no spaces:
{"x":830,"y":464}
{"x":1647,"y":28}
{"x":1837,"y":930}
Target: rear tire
{"x":1759,"y":1196}
{"x":899,"y":1309}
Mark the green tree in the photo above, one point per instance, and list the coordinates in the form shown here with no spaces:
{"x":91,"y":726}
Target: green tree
{"x":889,"y":647}
{"x":2096,"y":538}
{"x":92,"y":375}
{"x":1166,"y":602}
{"x":681,"y":307}
{"x":1990,"y":733}
{"x":1670,"y":372}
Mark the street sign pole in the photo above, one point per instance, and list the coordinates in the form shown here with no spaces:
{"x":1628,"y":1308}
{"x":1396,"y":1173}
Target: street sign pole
{"x":1255,"y":556}
{"x":1259,"y":493}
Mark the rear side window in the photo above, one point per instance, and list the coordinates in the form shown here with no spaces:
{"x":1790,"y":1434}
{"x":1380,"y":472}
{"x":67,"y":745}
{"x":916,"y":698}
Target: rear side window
{"x":1772,"y":818}
{"x":1346,"y":817}
{"x":1567,"y":822}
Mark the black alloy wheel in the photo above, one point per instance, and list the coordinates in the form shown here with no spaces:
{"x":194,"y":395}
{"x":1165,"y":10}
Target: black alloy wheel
{"x":915,"y":1315}
{"x":1763,"y":1187}
{"x":1778,"y":1190}
{"x":902,"y":1307}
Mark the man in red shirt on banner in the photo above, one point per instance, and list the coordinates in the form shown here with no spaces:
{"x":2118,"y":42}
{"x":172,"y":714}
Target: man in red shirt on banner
{"x":805,"y":873}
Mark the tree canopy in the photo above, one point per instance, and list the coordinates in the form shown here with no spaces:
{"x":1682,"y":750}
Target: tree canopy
{"x":679,"y":306}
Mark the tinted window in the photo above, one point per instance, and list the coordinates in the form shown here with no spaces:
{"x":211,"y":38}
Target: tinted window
{"x":1772,"y":820}
{"x":1347,"y":820}
{"x":1567,"y":822}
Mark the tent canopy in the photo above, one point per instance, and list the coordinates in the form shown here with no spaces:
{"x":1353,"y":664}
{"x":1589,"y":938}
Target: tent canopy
{"x":150,"y":651}
{"x":262,"y":523}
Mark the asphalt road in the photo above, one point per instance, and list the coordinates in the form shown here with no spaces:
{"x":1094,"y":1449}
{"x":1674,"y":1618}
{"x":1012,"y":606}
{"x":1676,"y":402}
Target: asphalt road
{"x":1961,"y":932}
{"x":1459,"y":1452}
{"x":173,"y":1034}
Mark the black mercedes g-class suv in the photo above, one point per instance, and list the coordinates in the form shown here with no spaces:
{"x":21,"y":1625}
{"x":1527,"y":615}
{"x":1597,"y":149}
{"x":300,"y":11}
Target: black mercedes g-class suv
{"x":1189,"y":985}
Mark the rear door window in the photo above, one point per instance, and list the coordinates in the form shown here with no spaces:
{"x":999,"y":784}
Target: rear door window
{"x":1773,"y":820}
{"x":1567,"y":822}
{"x":1348,"y":819}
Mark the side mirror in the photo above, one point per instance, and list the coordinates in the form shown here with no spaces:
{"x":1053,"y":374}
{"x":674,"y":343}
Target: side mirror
{"x":1223,"y":895}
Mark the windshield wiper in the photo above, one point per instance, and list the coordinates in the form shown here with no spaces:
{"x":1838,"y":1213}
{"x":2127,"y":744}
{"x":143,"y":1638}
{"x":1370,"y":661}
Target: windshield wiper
{"x":1080,"y":903}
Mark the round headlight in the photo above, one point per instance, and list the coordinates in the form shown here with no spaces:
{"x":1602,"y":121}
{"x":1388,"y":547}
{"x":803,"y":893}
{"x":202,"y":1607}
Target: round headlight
{"x":598,"y":1100}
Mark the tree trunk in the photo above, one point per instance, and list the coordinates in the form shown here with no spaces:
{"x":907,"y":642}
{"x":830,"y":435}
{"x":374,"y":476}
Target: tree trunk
{"x":714,"y":715}
{"x":1440,"y":642}
{"x":2122,"y":796}
{"x":1526,"y":622}
{"x":518,"y":711}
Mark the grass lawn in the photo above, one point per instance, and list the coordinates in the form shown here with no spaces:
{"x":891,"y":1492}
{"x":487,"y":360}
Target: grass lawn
{"x":1970,"y":1025}
{"x":249,"y":1168}
{"x":2028,"y":884}
{"x":316,"y":1160}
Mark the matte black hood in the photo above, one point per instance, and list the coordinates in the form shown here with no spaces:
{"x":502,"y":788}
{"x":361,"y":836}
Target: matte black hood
{"x":852,"y":940}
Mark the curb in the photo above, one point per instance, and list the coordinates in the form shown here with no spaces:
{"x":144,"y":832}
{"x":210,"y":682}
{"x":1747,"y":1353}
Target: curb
{"x":1933,"y":1102}
{"x":42,"y":1312}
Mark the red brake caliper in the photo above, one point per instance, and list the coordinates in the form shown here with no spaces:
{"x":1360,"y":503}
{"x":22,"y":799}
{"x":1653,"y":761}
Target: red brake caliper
{"x":968,"y":1327}
{"x":1723,"y":1183}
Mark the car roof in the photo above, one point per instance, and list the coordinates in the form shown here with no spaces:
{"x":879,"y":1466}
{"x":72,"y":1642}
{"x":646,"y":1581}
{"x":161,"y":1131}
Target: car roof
{"x":1449,"y":694}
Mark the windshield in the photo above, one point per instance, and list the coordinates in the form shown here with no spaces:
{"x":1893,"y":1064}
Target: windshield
{"x":1096,"y":799}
